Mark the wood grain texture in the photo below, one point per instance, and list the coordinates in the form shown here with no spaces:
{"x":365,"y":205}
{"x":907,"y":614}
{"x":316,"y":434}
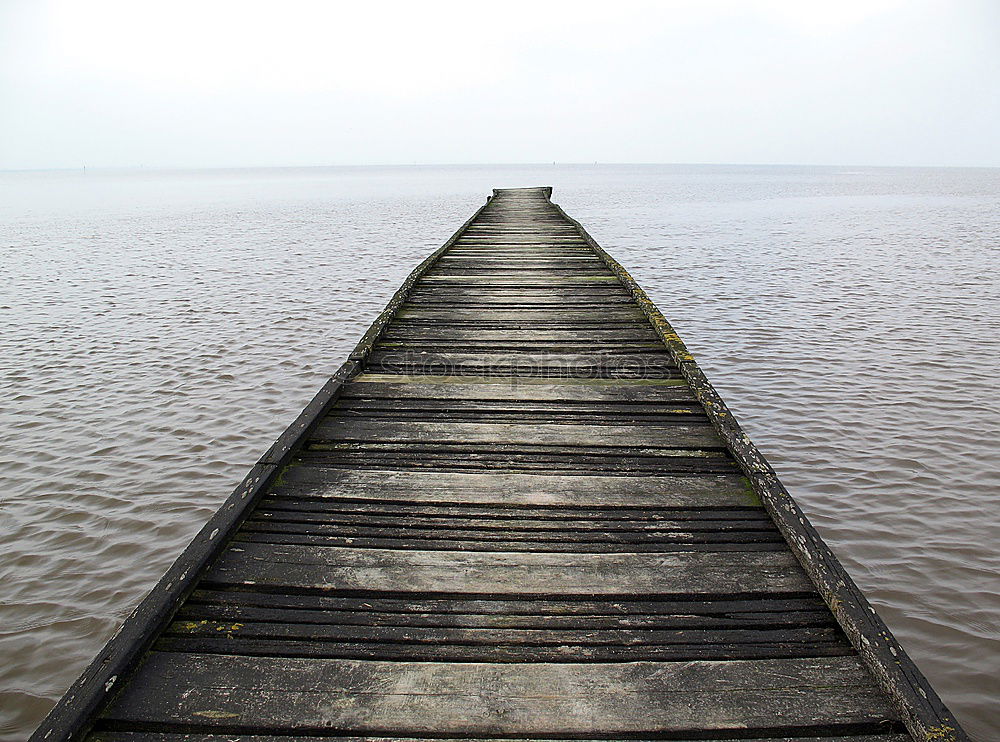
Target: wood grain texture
{"x":501,"y":487}
{"x":696,"y":436}
{"x":110,"y":736}
{"x":695,"y":573}
{"x":290,"y":694}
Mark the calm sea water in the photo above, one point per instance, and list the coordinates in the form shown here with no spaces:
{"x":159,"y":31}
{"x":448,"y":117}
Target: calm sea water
{"x":161,"y":328}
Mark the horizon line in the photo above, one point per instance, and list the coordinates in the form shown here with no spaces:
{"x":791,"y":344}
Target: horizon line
{"x":178,"y":168}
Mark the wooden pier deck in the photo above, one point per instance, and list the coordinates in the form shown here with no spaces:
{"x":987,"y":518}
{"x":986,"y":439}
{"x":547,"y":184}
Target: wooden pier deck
{"x":518,"y":511}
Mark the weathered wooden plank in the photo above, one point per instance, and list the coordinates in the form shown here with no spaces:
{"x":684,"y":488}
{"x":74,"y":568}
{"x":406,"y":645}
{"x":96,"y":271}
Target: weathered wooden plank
{"x":602,"y":364}
{"x":315,"y":525}
{"x":540,"y":237}
{"x":595,"y":294}
{"x":515,"y":654}
{"x":281,"y":531}
{"x":527,"y":275}
{"x":474,"y":336}
{"x":694,"y":573}
{"x":537,"y":256}
{"x":541,"y":259}
{"x":515,"y":384}
{"x":495,"y":635}
{"x":426,"y":539}
{"x":509,"y":413}
{"x":602,"y":606}
{"x":284,"y":533}
{"x":576,"y":364}
{"x":567,"y":529}
{"x":528,"y":410}
{"x":120,"y":736}
{"x":566,"y":453}
{"x":569,"y":359}
{"x":275,"y":500}
{"x":523,"y":412}
{"x":494,"y":253}
{"x":503,"y":242}
{"x":471,"y":411}
{"x":512,"y":355}
{"x":526,"y":315}
{"x":519,"y":301}
{"x":497,"y":252}
{"x":230,"y":613}
{"x":535,"y":280}
{"x":309,"y":522}
{"x":585,"y":515}
{"x":557,"y":460}
{"x":690,"y":435}
{"x":448,"y":542}
{"x":554,"y":295}
{"x":417,"y":350}
{"x":581,"y":325}
{"x":530,"y":490}
{"x":544,"y":239}
{"x":541,"y":250}
{"x":519,"y":260}
{"x":290,"y":694}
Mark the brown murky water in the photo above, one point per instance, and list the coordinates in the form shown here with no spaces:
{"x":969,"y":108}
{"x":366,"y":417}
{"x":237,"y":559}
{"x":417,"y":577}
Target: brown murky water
{"x":160,"y":329}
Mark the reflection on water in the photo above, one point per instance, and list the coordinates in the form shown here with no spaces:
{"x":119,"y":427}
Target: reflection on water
{"x":160,"y":329}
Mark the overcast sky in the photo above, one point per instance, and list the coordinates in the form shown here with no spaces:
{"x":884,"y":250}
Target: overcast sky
{"x":190,"y":84}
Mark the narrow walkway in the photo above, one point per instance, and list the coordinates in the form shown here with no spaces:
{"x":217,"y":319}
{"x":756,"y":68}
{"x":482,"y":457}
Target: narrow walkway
{"x":516,"y":522}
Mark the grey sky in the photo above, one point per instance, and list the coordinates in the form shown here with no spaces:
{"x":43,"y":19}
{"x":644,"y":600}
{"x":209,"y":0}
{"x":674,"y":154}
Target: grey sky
{"x":189,"y":84}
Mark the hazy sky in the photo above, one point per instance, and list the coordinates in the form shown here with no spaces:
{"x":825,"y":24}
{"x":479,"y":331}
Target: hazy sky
{"x":145,"y":82}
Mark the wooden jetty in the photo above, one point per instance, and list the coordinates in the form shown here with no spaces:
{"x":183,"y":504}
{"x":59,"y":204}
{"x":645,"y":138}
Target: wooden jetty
{"x":518,"y":511}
